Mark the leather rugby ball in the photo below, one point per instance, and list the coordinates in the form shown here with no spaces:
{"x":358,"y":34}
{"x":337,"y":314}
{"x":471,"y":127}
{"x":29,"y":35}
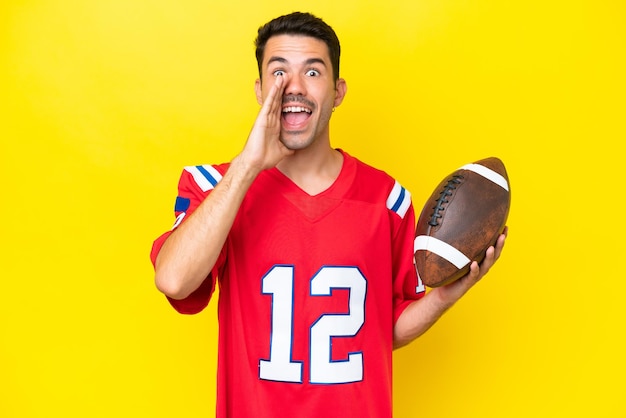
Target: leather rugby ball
{"x":463,"y":217}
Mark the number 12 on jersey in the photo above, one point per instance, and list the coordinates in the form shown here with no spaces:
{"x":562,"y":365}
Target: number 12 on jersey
{"x":279,"y":283}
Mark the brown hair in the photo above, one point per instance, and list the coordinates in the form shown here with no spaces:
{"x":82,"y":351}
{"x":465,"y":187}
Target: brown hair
{"x":304,"y":24}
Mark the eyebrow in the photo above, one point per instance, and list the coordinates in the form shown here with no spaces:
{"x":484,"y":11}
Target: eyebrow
{"x":307,"y":62}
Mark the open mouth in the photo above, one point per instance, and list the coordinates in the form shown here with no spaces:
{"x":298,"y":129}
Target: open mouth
{"x":295,"y":115}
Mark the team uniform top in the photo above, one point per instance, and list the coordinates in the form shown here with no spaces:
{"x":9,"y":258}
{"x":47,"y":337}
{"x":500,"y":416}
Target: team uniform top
{"x":310,"y":288}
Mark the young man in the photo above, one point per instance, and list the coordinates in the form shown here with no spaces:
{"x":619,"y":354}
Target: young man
{"x":312,"y":249}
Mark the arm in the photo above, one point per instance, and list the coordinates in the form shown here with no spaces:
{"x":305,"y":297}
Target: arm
{"x":420,"y":315}
{"x":190,"y":252}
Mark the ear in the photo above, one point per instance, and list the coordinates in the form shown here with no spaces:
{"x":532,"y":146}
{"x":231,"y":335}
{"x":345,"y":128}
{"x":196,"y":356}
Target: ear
{"x":258,"y":91}
{"x":341,"y":88}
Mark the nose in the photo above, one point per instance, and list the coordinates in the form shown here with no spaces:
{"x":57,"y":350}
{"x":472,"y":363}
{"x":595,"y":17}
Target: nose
{"x":294,"y":85}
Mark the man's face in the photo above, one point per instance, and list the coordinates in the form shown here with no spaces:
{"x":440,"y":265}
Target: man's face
{"x":310,"y":92}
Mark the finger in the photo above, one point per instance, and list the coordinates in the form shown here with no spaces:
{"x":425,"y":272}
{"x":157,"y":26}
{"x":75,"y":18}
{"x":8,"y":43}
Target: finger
{"x":478,"y":271}
{"x":274,"y":99}
{"x":500,"y":243}
{"x":474,"y":274}
{"x":488,"y":261}
{"x":474,"y":269}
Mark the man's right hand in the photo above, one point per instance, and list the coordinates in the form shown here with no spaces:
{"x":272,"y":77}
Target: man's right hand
{"x":264,"y":149}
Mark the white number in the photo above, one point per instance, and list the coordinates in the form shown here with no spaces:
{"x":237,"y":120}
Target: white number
{"x":281,"y":367}
{"x":323,"y":369}
{"x":279,"y":283}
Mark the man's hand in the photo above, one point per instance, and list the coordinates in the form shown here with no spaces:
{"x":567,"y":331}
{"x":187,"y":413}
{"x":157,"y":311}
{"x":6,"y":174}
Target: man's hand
{"x":263,"y":148}
{"x":452,"y":292}
{"x":190,"y":252}
{"x":420,"y":315}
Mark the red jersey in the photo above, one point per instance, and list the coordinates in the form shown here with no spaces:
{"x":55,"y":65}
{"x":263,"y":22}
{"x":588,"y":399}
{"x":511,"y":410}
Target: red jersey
{"x":310,"y":288}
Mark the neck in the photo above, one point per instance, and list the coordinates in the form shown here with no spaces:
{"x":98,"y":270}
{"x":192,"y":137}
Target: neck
{"x":313,"y":170}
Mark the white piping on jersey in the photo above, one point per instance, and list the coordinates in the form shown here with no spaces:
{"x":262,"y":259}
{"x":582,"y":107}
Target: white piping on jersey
{"x":206,"y":176}
{"x":442,"y":249}
{"x":487,"y":173}
{"x":179,"y":219}
{"x":399,"y":200}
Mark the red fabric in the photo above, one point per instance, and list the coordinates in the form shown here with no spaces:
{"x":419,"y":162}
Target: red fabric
{"x":310,"y":287}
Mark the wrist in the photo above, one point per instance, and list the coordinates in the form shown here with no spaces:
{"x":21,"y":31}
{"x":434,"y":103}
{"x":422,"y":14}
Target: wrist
{"x":243,"y":169}
{"x":446,"y":296}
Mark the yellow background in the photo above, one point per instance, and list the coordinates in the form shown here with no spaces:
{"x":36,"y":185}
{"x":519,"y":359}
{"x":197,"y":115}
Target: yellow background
{"x":104,"y":101}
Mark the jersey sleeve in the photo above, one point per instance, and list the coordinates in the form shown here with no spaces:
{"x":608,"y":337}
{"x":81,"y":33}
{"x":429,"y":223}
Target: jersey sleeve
{"x":407,"y":287}
{"x":194,"y":185}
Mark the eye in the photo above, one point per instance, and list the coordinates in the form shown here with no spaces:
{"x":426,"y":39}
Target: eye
{"x":312,"y":73}
{"x":278,"y":73}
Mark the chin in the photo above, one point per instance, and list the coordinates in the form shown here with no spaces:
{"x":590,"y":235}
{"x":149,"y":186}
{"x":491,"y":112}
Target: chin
{"x":296,"y":142}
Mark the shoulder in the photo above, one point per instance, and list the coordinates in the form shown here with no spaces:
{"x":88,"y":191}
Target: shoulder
{"x":376,"y":184}
{"x":366,"y":172}
{"x":204,"y":177}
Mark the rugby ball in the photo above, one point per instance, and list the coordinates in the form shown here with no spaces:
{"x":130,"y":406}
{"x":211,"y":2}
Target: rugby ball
{"x":463,"y":217}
